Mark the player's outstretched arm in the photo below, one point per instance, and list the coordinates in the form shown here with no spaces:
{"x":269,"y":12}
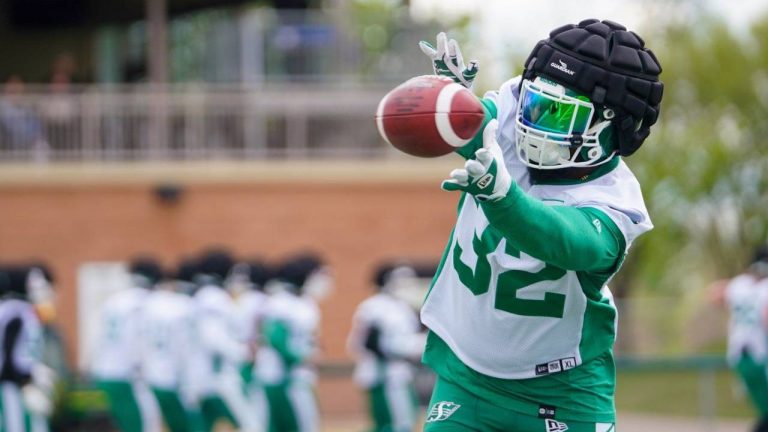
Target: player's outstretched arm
{"x":582,"y":239}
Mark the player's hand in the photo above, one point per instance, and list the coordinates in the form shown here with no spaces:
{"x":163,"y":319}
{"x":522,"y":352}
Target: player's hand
{"x":486,"y":177}
{"x":447,"y":60}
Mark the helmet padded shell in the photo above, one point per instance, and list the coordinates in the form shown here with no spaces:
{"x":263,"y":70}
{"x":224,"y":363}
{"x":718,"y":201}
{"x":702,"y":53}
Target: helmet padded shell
{"x":609,"y":64}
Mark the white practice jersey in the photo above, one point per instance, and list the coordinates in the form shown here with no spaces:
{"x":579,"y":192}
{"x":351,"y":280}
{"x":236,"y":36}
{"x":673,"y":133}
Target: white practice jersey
{"x":170,"y":339}
{"x":27,"y":349}
{"x":747,"y":299}
{"x":220,"y":349}
{"x":506,"y":345}
{"x":250,"y":307}
{"x":301,"y":317}
{"x":118,"y":352}
{"x":399,"y":340}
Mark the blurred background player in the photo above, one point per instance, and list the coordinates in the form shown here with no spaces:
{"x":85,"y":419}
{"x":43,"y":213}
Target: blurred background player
{"x":246,"y":283}
{"x":291,"y":325}
{"x":26,"y":384}
{"x":746,"y":297}
{"x":170,"y":347}
{"x":222,"y":352}
{"x":116,"y":365}
{"x":385,"y":339}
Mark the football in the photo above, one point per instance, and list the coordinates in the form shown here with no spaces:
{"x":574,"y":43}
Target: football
{"x":429,"y":116}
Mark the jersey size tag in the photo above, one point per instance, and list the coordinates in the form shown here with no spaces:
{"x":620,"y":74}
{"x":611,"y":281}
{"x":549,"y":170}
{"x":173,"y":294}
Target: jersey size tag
{"x":547,"y":412}
{"x":555,"y":366}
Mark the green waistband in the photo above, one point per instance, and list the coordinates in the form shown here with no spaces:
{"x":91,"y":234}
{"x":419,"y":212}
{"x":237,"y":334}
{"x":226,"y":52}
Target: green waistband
{"x":583,"y":394}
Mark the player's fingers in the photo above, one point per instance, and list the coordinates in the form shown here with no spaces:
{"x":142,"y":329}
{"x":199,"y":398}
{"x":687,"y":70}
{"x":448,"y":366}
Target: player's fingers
{"x":460,"y":176}
{"x":455,"y":53}
{"x":442,"y":44}
{"x":474,"y":168}
{"x":484,"y":156}
{"x":428,"y":49}
{"x":450,"y":185}
{"x":471,"y":71}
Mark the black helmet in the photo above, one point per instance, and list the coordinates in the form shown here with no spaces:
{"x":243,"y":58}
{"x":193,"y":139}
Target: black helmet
{"x":612,"y":67}
{"x":296,"y":270}
{"x":148,"y":268}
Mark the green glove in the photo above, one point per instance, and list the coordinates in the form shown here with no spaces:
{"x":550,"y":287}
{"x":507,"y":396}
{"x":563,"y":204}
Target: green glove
{"x":447,"y":60}
{"x":486,"y":177}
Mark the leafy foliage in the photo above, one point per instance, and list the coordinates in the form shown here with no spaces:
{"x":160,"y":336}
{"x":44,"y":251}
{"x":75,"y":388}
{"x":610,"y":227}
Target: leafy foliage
{"x":704,"y":170}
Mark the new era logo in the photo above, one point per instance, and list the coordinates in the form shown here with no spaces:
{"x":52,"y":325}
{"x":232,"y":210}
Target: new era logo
{"x":555,"y":426}
{"x":485,"y":181}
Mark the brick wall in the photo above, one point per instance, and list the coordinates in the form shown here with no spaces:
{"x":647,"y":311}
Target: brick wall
{"x":353,"y":224}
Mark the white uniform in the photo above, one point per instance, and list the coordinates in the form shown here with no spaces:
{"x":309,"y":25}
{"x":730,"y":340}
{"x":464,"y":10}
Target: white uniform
{"x":301,"y":317}
{"x":510,"y":346}
{"x":251,"y":306}
{"x":119,"y":349}
{"x":400,"y":341}
{"x":221,"y":352}
{"x":169,"y":342}
{"x":747,"y":299}
{"x":18,"y":362}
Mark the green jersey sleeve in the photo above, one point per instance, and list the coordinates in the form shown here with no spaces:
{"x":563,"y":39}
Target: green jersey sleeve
{"x":278,"y":335}
{"x":572,"y":238}
{"x":469,"y":149}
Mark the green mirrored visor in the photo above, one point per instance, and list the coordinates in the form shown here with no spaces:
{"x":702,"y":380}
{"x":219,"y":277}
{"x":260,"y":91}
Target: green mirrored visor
{"x":553,"y":113}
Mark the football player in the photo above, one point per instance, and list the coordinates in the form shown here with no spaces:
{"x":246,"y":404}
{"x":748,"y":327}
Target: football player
{"x":290,"y":329}
{"x":222,"y":353}
{"x":386,"y":340}
{"x":521,"y":320}
{"x":26,"y":383}
{"x":170,"y":346}
{"x":246,"y":283}
{"x":746,"y":297}
{"x":116,"y":365}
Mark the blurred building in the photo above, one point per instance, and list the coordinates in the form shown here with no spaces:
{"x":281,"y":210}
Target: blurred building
{"x":246,"y":80}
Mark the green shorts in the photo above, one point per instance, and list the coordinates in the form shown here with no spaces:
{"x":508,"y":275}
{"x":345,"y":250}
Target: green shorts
{"x":124,"y":407}
{"x":753,"y":375}
{"x":393,"y":407}
{"x":453,"y":409}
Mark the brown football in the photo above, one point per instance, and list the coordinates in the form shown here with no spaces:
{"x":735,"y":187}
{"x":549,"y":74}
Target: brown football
{"x":429,"y":116}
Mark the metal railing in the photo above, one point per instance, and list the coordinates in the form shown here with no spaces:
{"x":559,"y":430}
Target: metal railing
{"x":141,"y":123}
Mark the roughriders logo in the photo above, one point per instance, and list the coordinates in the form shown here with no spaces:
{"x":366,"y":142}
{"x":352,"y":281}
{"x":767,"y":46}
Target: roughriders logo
{"x":441,"y":411}
{"x":555,"y":426}
{"x":562,"y":67}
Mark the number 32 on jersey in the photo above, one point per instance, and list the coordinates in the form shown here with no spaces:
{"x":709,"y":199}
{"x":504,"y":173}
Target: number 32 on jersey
{"x":478,"y":279}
